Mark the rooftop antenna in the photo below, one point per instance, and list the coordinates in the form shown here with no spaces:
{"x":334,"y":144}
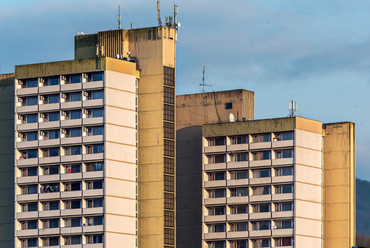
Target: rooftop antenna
{"x":175,"y":12}
{"x":204,"y":84}
{"x":119,"y":16}
{"x":159,"y":14}
{"x":292,"y":108}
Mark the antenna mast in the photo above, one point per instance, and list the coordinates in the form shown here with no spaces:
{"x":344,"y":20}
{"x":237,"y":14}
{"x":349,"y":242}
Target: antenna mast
{"x":119,"y":16}
{"x":159,"y":14}
{"x":204,"y":84}
{"x":292,"y":108}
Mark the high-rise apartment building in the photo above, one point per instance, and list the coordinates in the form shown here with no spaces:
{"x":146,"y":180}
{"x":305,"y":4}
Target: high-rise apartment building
{"x":95,"y":144}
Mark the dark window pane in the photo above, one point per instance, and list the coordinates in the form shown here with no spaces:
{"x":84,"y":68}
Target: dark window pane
{"x":53,"y":81}
{"x":54,"y":116}
{"x":53,"y":98}
{"x":32,"y":118}
{"x":97,"y":130}
{"x":97,"y":77}
{"x":32,"y":83}
{"x":77,"y":96}
{"x":32,"y":100}
{"x":76,"y":204}
{"x":32,"y":136}
{"x":75,"y":79}
{"x":76,"y":150}
{"x":76,"y":114}
{"x":76,"y":132}
{"x":97,"y":94}
{"x":97,"y":112}
{"x":53,"y":152}
{"x":32,"y":207}
{"x":32,"y":154}
{"x":54,"y":134}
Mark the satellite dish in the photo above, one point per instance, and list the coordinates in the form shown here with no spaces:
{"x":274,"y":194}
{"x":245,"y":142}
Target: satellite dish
{"x":231,"y":117}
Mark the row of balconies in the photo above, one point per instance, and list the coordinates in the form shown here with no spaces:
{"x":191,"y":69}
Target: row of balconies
{"x":248,"y":146}
{"x":246,"y":199}
{"x":60,"y":231}
{"x":60,"y":177}
{"x":58,"y":195}
{"x":60,"y":141}
{"x":246,"y":164}
{"x":60,"y":159}
{"x":250,"y":216}
{"x":58,"y":88}
{"x":62,"y":105}
{"x":57,"y":213}
{"x":249,"y":234}
{"x":78,"y":246}
{"x":62,"y":123}
{"x":248,"y":181}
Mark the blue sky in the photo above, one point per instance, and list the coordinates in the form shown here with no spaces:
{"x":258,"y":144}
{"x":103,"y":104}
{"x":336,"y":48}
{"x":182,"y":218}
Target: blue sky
{"x":317,"y":52}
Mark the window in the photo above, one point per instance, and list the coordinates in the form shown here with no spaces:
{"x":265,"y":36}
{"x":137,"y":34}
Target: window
{"x":32,"y":242}
{"x":29,"y":154}
{"x":31,"y":118}
{"x":261,"y":208}
{"x":75,"y":186}
{"x":217,"y":176}
{"x":239,"y":192}
{"x":169,"y":148}
{"x":288,"y":241}
{"x":94,"y":185}
{"x":97,"y":76}
{"x":217,"y":228}
{"x":263,"y":190}
{"x":169,"y":130}
{"x":74,"y":132}
{"x":261,"y":225}
{"x":262,"y":137}
{"x":239,"y":209}
{"x":237,"y":157}
{"x":96,"y":94}
{"x":51,"y":170}
{"x":284,"y":136}
{"x":31,"y":136}
{"x":52,"y":81}
{"x":95,"y":221}
{"x":239,"y":244}
{"x":32,"y":100}
{"x":169,"y":166}
{"x":73,"y":168}
{"x":262,"y":173}
{"x":215,"y":159}
{"x":239,"y":140}
{"x":242,"y":174}
{"x":217,"y":244}
{"x":75,"y":114}
{"x":95,"y":166}
{"x":94,"y":203}
{"x":74,"y":79}
{"x":168,"y":112}
{"x":73,"y":240}
{"x":53,"y":134}
{"x":168,"y":95}
{"x":284,"y":171}
{"x":217,"y":211}
{"x":169,"y":76}
{"x":96,"y":130}
{"x":217,"y":141}
{"x":262,"y":155}
{"x":284,"y":154}
{"x":73,"y":150}
{"x":54,"y":205}
{"x":75,"y":96}
{"x":169,"y":218}
{"x":94,"y":239}
{"x":53,"y":116}
{"x":168,"y":182}
{"x":239,"y":227}
{"x":92,"y":113}
{"x":51,"y":152}
{"x":31,"y":224}
{"x":284,"y":224}
{"x":261,"y":243}
{"x":216,"y":193}
{"x":31,"y":83}
{"x":284,"y":206}
{"x":28,"y":172}
{"x":169,"y":201}
{"x":73,"y":222}
{"x":228,"y":105}
{"x":52,"y":223}
{"x":49,"y":188}
{"x":30,"y":207}
{"x":49,"y":99}
{"x":52,"y":241}
{"x":91,"y":149}
{"x":283,"y":189}
{"x":73,"y":204}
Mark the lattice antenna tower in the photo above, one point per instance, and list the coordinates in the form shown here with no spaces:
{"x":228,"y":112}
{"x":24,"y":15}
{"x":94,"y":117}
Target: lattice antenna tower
{"x":119,"y":16}
{"x":203,"y":82}
{"x":292,"y":108}
{"x":160,"y":22}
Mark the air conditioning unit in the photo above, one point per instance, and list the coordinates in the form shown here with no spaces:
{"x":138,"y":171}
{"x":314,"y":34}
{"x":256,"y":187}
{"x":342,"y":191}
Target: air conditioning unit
{"x":42,"y":80}
{"x":86,"y":93}
{"x":64,"y":113}
{"x":20,"y":82}
{"x":86,"y":111}
{"x":63,"y":78}
{"x":84,"y":75}
{"x":20,"y":135}
{"x":42,"y":98}
{"x":64,"y":96}
{"x":64,"y":131}
{"x":20,"y":117}
{"x":86,"y":129}
{"x":42,"y":133}
{"x":42,"y":116}
{"x":20,"y":99}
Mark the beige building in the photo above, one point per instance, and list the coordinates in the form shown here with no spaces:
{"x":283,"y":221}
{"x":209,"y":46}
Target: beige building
{"x":95,"y":144}
{"x":285,"y":182}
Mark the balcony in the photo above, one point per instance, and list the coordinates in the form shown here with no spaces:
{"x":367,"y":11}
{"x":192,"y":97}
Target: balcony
{"x":27,"y":91}
{"x":95,"y":156}
{"x":237,"y":165}
{"x":68,"y":87}
{"x":98,"y":228}
{"x":88,"y":211}
{"x":237,"y":217}
{"x":218,"y":166}
{"x":214,"y":149}
{"x":92,"y":121}
{"x":238,"y":147}
{"x":93,"y":174}
{"x":70,"y":105}
{"x":55,"y":246}
{"x":282,"y":214}
{"x":264,"y":215}
{"x":93,"y":103}
{"x":259,"y":233}
{"x":49,"y":89}
{"x":93,"y":85}
{"x":281,"y":197}
{"x":71,"y":194}
{"x":49,"y":213}
{"x":49,"y":196}
{"x":27,"y":144}
{"x":215,"y":201}
{"x":27,"y":161}
{"x":51,"y":106}
{"x":216,"y":183}
{"x":71,"y":140}
{"x":235,"y":235}
{"x":94,"y":138}
{"x":27,"y":215}
{"x":98,"y":246}
{"x":259,"y":163}
{"x":73,"y":122}
{"x":49,"y":142}
{"x":49,"y":178}
{"x":237,"y":199}
{"x":238,"y":182}
{"x":215,"y":218}
{"x":71,"y":246}
{"x":71,"y":158}
{"x":71,"y":176}
{"x":49,"y":124}
{"x":260,"y":145}
{"x":27,"y":197}
{"x":25,"y":109}
{"x":260,"y":180}
{"x":282,"y":161}
{"x":216,"y":235}
{"x":282,"y":232}
{"x":282,"y":179}
{"x":27,"y":126}
{"x":70,"y":212}
{"x":283,"y":143}
{"x":93,"y":192}
{"x":49,"y":231}
{"x":31,"y":179}
{"x":71,"y":230}
{"x":49,"y":160}
{"x":260,"y":198}
{"x":28,"y":232}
